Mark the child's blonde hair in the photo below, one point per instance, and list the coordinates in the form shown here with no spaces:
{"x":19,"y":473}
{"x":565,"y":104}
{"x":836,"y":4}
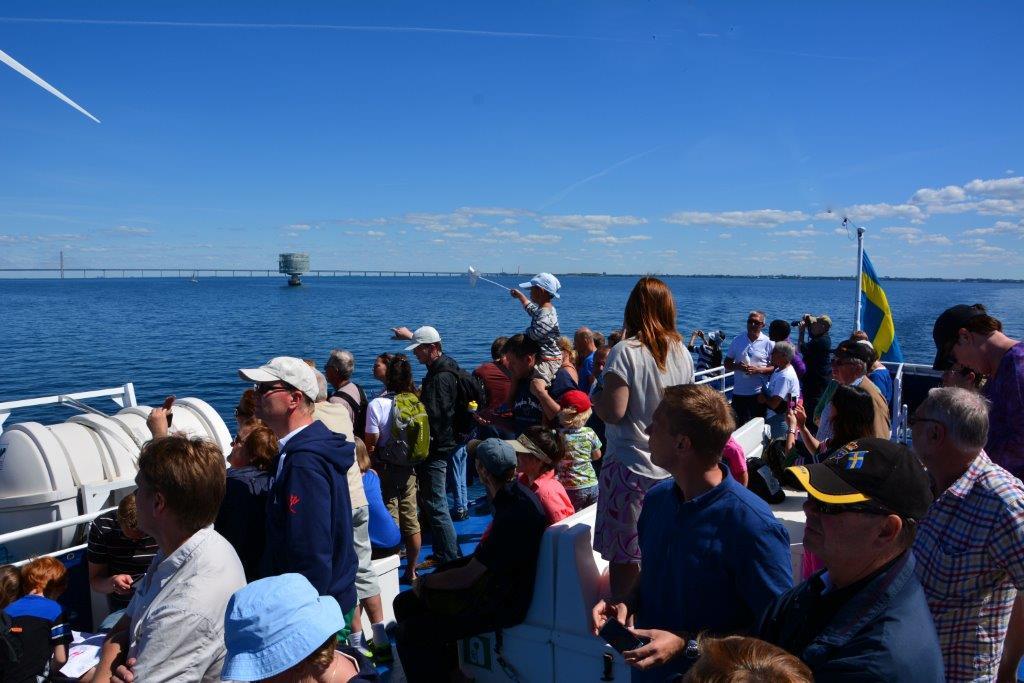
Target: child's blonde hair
{"x":362,"y":456}
{"x":570,"y":419}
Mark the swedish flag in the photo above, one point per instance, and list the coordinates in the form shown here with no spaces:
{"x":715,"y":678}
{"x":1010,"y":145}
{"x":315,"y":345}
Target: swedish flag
{"x":876,"y":315}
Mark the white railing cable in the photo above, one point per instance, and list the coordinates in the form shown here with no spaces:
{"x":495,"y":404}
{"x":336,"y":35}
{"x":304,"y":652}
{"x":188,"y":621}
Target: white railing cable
{"x":51,"y":526}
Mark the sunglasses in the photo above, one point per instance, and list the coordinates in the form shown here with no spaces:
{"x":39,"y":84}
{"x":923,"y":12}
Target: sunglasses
{"x":755,"y":323}
{"x":270,"y":388}
{"x":832,"y":509}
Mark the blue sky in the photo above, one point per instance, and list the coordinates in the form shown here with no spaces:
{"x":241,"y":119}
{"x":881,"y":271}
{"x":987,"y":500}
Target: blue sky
{"x":620,"y":137}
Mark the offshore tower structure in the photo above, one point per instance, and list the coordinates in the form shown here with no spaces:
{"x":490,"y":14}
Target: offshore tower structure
{"x":293,"y":265}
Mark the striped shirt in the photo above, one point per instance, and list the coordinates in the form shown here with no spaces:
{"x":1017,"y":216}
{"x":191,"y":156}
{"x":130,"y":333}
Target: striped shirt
{"x":108,"y":545}
{"x":970,"y":561}
{"x":544,"y":329}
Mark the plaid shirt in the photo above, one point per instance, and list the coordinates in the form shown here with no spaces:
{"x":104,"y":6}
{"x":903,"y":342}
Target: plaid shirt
{"x":970,"y":561}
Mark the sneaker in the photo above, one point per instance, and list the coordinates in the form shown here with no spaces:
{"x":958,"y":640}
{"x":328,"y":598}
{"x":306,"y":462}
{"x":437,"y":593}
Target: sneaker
{"x":381,"y":654}
{"x":460,"y":515}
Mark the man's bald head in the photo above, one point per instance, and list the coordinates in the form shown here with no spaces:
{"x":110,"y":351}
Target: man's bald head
{"x":584,"y":342}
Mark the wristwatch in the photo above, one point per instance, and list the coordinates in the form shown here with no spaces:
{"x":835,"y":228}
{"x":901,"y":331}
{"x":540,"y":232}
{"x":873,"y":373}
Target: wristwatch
{"x":692,"y":651}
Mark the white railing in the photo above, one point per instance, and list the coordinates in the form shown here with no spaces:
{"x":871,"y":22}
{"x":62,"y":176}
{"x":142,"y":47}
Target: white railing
{"x":715,"y":377}
{"x":51,"y":526}
{"x":123,"y":396}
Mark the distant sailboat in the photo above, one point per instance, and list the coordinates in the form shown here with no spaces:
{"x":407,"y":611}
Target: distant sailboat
{"x":194,"y":279}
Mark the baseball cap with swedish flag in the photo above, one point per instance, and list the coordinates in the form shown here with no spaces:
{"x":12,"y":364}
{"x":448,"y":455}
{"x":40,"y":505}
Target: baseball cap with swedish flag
{"x":866,"y":471}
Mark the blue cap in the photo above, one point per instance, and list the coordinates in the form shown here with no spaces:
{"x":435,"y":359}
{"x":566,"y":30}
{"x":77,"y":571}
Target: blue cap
{"x":273,"y":624}
{"x":496,"y":455}
{"x":546,"y":281}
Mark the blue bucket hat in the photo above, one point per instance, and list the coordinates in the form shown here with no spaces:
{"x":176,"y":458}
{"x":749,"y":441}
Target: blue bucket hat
{"x":273,"y":624}
{"x":546,"y":281}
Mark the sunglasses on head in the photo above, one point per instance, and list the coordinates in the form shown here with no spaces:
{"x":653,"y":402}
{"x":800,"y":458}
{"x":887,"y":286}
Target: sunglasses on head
{"x":832,"y":509}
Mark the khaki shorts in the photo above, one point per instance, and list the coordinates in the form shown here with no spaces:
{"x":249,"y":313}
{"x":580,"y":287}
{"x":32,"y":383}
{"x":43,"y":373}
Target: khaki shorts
{"x":398,"y":486}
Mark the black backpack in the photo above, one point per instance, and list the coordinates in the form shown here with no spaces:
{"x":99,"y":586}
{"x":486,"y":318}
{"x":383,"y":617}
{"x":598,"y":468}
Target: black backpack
{"x":10,"y":644}
{"x":358,"y":410}
{"x":469,"y":387}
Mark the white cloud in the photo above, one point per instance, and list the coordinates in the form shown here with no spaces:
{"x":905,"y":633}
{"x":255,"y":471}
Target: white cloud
{"x":798,"y":233}
{"x":519,"y":238}
{"x":1000,"y":228}
{"x":725,"y":235}
{"x":375,"y":233}
{"x":611,"y":239}
{"x":760,"y":218}
{"x":299,"y":227}
{"x":863,"y":213}
{"x":131,"y":230}
{"x":950,"y":193}
{"x":1010,"y":188}
{"x":916,"y":236}
{"x":600,"y":222}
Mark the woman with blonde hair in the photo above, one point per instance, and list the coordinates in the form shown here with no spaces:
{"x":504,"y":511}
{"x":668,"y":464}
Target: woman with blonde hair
{"x":737,"y":659}
{"x":650,"y":357}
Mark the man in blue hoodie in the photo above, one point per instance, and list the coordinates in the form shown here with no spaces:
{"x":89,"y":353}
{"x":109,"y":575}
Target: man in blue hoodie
{"x":309,"y":529}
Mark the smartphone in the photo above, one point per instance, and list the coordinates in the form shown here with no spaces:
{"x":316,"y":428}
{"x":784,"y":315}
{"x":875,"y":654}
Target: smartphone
{"x":620,"y":637}
{"x":791,"y":402}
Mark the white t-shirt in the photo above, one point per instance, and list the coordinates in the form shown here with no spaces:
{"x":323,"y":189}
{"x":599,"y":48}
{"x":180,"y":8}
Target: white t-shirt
{"x":783,"y":383}
{"x":633,"y":362}
{"x":757,"y":353}
{"x":378,"y":418}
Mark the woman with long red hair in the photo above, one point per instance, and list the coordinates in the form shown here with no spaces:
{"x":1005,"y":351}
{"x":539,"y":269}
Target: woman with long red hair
{"x":650,"y":357}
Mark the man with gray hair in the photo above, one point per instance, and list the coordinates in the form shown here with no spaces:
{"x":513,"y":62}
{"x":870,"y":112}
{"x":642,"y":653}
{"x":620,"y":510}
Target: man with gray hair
{"x":338,"y":370}
{"x":850,"y":365}
{"x":782,"y":390}
{"x":748,"y":358}
{"x":970,"y":545}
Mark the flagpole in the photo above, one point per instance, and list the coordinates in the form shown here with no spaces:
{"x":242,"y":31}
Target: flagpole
{"x":860,"y":276}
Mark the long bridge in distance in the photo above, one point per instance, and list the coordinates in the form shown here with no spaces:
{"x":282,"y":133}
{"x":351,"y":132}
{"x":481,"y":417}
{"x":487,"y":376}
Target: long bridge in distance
{"x":90,"y":273}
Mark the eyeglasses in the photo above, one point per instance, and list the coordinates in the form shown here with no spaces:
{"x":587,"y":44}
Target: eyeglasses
{"x":914,"y":419}
{"x":270,"y":388}
{"x":755,"y":323}
{"x":831,"y":509}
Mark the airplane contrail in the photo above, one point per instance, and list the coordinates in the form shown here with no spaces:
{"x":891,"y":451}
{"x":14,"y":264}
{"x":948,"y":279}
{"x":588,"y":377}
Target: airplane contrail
{"x":323,"y":27}
{"x":24,"y":71}
{"x":561,"y":194}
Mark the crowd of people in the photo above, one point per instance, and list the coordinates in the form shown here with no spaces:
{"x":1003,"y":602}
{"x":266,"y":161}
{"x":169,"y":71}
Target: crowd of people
{"x":912,"y":562}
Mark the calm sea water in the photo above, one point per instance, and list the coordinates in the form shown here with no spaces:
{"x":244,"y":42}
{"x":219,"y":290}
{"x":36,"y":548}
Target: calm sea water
{"x":169,"y":336}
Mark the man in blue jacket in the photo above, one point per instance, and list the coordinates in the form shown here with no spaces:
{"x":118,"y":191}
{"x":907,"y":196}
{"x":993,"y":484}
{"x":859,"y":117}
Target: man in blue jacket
{"x":713,"y":555}
{"x":309,"y":527}
{"x":865,"y":616}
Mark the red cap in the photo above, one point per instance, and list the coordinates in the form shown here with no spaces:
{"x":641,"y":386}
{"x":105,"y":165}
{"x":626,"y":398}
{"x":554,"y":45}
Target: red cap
{"x":576,"y":400}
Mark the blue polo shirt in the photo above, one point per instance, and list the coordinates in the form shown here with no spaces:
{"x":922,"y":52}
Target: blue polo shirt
{"x":713,"y":563}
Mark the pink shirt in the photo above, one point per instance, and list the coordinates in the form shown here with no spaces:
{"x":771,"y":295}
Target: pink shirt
{"x":552,"y":496}
{"x":734,"y":457}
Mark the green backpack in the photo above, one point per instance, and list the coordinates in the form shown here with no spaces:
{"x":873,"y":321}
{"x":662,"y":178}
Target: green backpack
{"x":410,"y":432}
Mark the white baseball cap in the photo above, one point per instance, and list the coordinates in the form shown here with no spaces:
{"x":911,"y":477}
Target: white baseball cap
{"x":293,"y":371}
{"x":546,"y":281}
{"x":423,"y":335}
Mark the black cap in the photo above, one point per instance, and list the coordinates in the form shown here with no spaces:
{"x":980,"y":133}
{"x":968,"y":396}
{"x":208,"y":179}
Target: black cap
{"x":866,"y":470}
{"x":855,"y":349}
{"x":946,"y":327}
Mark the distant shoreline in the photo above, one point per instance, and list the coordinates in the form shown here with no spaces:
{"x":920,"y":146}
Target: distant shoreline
{"x":226,"y":273}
